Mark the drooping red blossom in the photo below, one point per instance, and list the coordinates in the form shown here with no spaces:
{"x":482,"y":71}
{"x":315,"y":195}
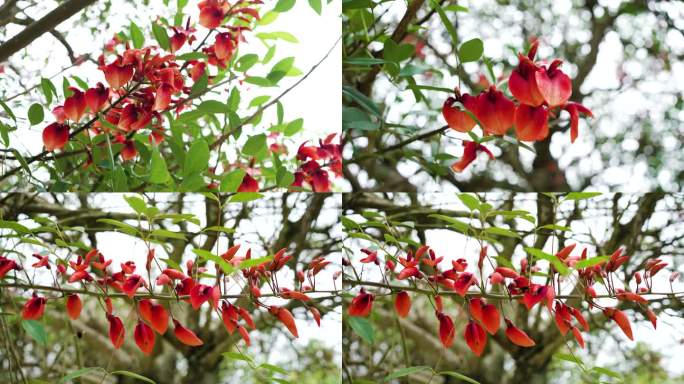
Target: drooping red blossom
{"x":320,"y":181}
{"x":464,"y":281}
{"x":55,"y":136}
{"x":224,"y":46}
{"x":74,"y":306}
{"x":116,"y":330}
{"x":470,"y":149}
{"x":490,"y":318}
{"x":446,"y":329}
{"x":249,"y":184}
{"x":554,"y":85}
{"x":245,"y":335}
{"x":131,"y":285}
{"x":361,"y":305}
{"x":211,"y":14}
{"x":34,"y":308}
{"x":316,"y":315}
{"x":518,"y":336}
{"x":177,"y":40}
{"x":185,"y":335}
{"x":96,"y":98}
{"x":578,"y":336}
{"x":402,"y":304}
{"x":495,"y":112}
{"x":531,"y":123}
{"x":116,"y":74}
{"x":7,"y":265}
{"x":475,"y":306}
{"x":285,"y":317}
{"x":155,"y":314}
{"x":128,"y":151}
{"x":457,"y":119}
{"x":621,"y":319}
{"x":476,"y":337}
{"x":163,"y":97}
{"x":523,"y":83}
{"x":200,"y":294}
{"x":75,"y":105}
{"x":144,"y":338}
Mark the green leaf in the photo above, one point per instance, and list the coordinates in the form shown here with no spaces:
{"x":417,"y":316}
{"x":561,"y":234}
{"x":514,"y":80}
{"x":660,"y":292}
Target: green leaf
{"x":192,"y":56}
{"x":316,"y":6}
{"x":137,"y":204}
{"x":368,"y":62}
{"x":581,"y":195}
{"x":501,"y":232}
{"x":445,"y":20}
{"x":36,"y":331}
{"x":469,"y":201}
{"x":456,"y":224}
{"x":167,"y":234}
{"x":586,"y":263}
{"x":280,"y":69}
{"x":607,"y":372}
{"x":273,"y":368}
{"x":284,"y":5}
{"x":227,"y":268}
{"x":255,"y":145}
{"x":243,"y":197}
{"x":237,"y":356}
{"x":362,"y":327}
{"x":217,"y":228}
{"x":16,"y":227}
{"x":555,"y":227}
{"x":197,"y":158}
{"x":257,"y":101}
{"x":126,"y":228}
{"x":557,"y":264}
{"x":397,"y":53}
{"x":231,"y":182}
{"x":213,"y":106}
{"x":159,"y":173}
{"x":36,"y":114}
{"x":200,"y":85}
{"x":471,"y":50}
{"x":78,"y":373}
{"x":160,"y":35}
{"x":407,"y":371}
{"x":137,"y":36}
{"x":8,"y":110}
{"x":459,"y":376}
{"x":244,"y":264}
{"x":246,"y":62}
{"x":134,"y":376}
{"x":361,"y":99}
{"x":285,"y":36}
{"x":294,"y":127}
{"x":48,"y":89}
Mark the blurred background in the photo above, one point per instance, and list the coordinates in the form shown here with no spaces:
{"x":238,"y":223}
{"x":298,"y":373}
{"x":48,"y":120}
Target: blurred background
{"x":646,"y":227}
{"x":624,"y":58}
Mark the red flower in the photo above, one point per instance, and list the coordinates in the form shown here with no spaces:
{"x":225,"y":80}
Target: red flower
{"x":457,"y":119}
{"x":185,"y":335}
{"x":475,"y":337}
{"x":96,"y":98}
{"x":132,"y":283}
{"x":6,"y":265}
{"x":249,"y":184}
{"x":245,"y":335}
{"x":523,"y":83}
{"x":285,"y":317}
{"x":531,"y":123}
{"x":575,"y":110}
{"x":578,"y":336}
{"x":402,"y":304}
{"x":464,"y":281}
{"x":211,"y":14}
{"x":320,"y":181}
{"x":34,"y":308}
{"x":117,"y":75}
{"x":490,"y":318}
{"x":475,"y":307}
{"x":470,"y":149}
{"x":75,"y":105}
{"x":621,"y":319}
{"x":144,"y":337}
{"x":554,"y":85}
{"x":494,"y":111}
{"x":177,"y":41}
{"x":128,"y":152}
{"x":199,"y":294}
{"x":116,"y":330}
{"x":535,"y":294}
{"x":446,"y":329}
{"x":74,"y":306}
{"x":361,"y":305}
{"x":223,"y":47}
{"x":316,"y":315}
{"x":163,"y":97}
{"x":155,"y":314}
{"x":55,"y":136}
{"x":517,"y":336}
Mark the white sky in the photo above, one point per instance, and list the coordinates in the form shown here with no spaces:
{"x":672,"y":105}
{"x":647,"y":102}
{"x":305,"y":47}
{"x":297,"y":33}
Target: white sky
{"x":452,"y":245}
{"x":316,"y":100}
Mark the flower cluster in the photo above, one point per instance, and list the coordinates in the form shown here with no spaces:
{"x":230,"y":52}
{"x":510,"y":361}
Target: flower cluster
{"x":484,"y":317}
{"x":94,"y":273}
{"x":315,"y":160}
{"x":541,"y":91}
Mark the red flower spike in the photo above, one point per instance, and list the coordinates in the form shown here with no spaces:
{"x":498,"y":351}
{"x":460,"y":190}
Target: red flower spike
{"x":562,"y":317}
{"x":575,"y":110}
{"x":55,"y":136}
{"x":518,"y":336}
{"x":523,"y":83}
{"x":74,"y":306}
{"x":75,"y":105}
{"x":475,"y":337}
{"x":464,"y":281}
{"x":446,"y":330}
{"x":402,"y":304}
{"x":490,"y":318}
{"x":531,"y":123}
{"x":457,"y":119}
{"x":185,"y":335}
{"x":144,"y":338}
{"x":361,"y":305}
{"x":475,"y":307}
{"x":470,"y":149}
{"x":96,"y":98}
{"x":578,"y":336}
{"x":249,"y":184}
{"x":116,"y":331}
{"x":507,"y":272}
{"x":495,"y":112}
{"x":553,"y":84}
{"x":34,"y":308}
{"x":534,"y":295}
{"x":621,"y":319}
{"x":246,"y":317}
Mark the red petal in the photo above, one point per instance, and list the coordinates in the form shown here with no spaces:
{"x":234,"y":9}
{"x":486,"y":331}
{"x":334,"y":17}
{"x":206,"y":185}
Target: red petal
{"x":475,"y":337}
{"x":55,"y":136}
{"x":455,"y":118}
{"x":490,"y":318}
{"x":288,"y":320}
{"x":144,"y":338}
{"x":518,"y":336}
{"x":495,"y":112}
{"x":116,"y":331}
{"x":578,"y":336}
{"x":476,"y":308}
{"x":402,"y":304}
{"x":531,"y":123}
{"x":74,"y":306}
{"x":446,"y":330}
{"x":185,"y":335}
{"x":249,"y":184}
{"x":554,"y":85}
